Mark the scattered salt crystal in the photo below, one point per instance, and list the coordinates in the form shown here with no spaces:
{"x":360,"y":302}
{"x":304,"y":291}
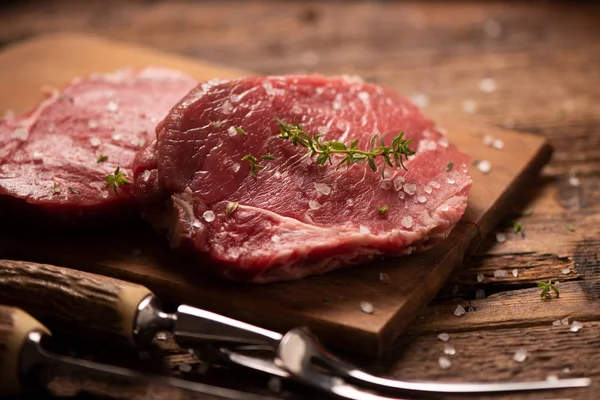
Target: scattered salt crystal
{"x":277,"y":175}
{"x":574,"y":181}
{"x":268,"y":86}
{"x":161,"y":336}
{"x":407,"y":221}
{"x":422,"y":199}
{"x":444,"y":363}
{"x":435,"y":185}
{"x":314,"y":205}
{"x":500,"y":273}
{"x":37,"y":156}
{"x":520,"y":355}
{"x":366,"y":307}
{"x":137,"y":252}
{"x":449,"y":349}
{"x":296,"y":109}
{"x":236,"y":167}
{"x":341,"y":125}
{"x":349,"y":202}
{"x":421,"y":100}
{"x":364,"y":229}
{"x":552,"y":378}
{"x":460,"y":310}
{"x":492,"y":28}
{"x":427,"y":189}
{"x":566,"y":271}
{"x":410,"y":188}
{"x":444,"y":337}
{"x":227,"y":107}
{"x":479,"y":294}
{"x":383,"y":277}
{"x":275,"y":239}
{"x":471,"y":309}
{"x":479,"y":277}
{"x":146,"y":175}
{"x":498,"y":144}
{"x":488,"y":140}
{"x":92,"y":124}
{"x":556,"y":323}
{"x":274,"y":384}
{"x":95,"y":142}
{"x":469,"y":106}
{"x":364,"y":96}
{"x":208,"y":216}
{"x":20,"y":134}
{"x":515,"y":272}
{"x":443,"y":142}
{"x":575,"y":326}
{"x":566,"y":370}
{"x":112,"y":106}
{"x":386,"y":185}
{"x":487,"y":85}
{"x":564,"y":321}
{"x":309,"y":58}
{"x":322,"y":188}
{"x":231,"y":131}
{"x":451,"y":181}
{"x":116,"y":136}
{"x":401,"y":194}
{"x":323,"y":130}
{"x":398,"y":183}
{"x":445,"y":207}
{"x":500,"y":237}
{"x":484,"y":166}
{"x":184,"y":367}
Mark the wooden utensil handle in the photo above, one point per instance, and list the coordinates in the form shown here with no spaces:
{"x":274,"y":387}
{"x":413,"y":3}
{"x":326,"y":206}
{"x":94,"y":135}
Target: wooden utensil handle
{"x":90,"y":302}
{"x":15,"y":325}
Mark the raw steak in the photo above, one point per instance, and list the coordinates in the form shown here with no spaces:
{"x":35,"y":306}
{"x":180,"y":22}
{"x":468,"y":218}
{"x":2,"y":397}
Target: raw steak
{"x":296,"y":218}
{"x":49,"y":157}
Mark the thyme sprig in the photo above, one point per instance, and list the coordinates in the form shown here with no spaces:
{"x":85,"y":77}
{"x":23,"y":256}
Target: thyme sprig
{"x":254,"y":165}
{"x":546,"y":286}
{"x":392,"y":156}
{"x":116,"y":179}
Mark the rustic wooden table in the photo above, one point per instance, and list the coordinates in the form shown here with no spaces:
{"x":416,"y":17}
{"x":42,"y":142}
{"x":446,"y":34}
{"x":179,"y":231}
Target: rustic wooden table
{"x":531,"y":66}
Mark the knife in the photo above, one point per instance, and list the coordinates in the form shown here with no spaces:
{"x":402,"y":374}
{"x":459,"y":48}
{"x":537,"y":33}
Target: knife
{"x":133,"y":312}
{"x":24,"y":362}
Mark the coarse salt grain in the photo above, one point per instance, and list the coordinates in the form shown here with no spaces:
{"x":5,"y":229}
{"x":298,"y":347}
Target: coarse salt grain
{"x":574,"y":181}
{"x":479,"y":294}
{"x":451,"y":181}
{"x":236,"y":167}
{"x":460,"y":310}
{"x":556,"y":323}
{"x":487,"y":85}
{"x":364,"y":96}
{"x":520,"y":355}
{"x":161,"y":336}
{"x":275,"y":239}
{"x":95,"y":142}
{"x":364,"y":229}
{"x":231,"y":131}
{"x":566,"y":370}
{"x":566,"y":271}
{"x":349,"y":202}
{"x":500,"y":273}
{"x":488,"y":140}
{"x":314,"y":205}
{"x":116,"y":136}
{"x":92,"y":124}
{"x":383,"y":277}
{"x":322,"y":188}
{"x":277,"y":175}
{"x":444,"y":363}
{"x":435,"y":184}
{"x":37,"y":156}
{"x":469,"y":106}
{"x":427,"y":189}
{"x":498,"y":144}
{"x":401,"y":194}
{"x":208,"y":216}
{"x":444,"y":337}
{"x":112,"y":106}
{"x":366,"y":307}
{"x":398,"y":183}
{"x":564,"y":321}
{"x":449,"y":349}
{"x":407,"y":221}
{"x":480,"y":277}
{"x":576,"y":326}
{"x":385,"y":185}
{"x":421,"y":100}
{"x":422,"y":199}
{"x":500,"y":237}
{"x":268,"y":86}
{"x":410,"y":188}
{"x":515,"y":272}
{"x":227,"y":107}
{"x":445,"y":207}
{"x":484,"y":166}
{"x":185,"y":367}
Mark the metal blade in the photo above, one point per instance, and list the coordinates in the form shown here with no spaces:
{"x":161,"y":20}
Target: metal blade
{"x":34,"y":357}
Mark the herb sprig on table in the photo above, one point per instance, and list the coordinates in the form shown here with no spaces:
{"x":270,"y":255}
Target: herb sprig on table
{"x":116,"y":179}
{"x":546,"y":286}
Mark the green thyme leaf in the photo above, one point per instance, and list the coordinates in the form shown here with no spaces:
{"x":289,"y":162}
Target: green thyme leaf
{"x":116,"y":179}
{"x":56,"y":188}
{"x":231,"y":207}
{"x":449,"y":166}
{"x":383,"y":209}
{"x":241,"y":131}
{"x":267,"y":157}
{"x":101,"y":158}
{"x":570,"y":227}
{"x":72,"y":189}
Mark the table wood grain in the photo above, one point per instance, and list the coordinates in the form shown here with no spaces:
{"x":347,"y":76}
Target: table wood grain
{"x":544,"y":58}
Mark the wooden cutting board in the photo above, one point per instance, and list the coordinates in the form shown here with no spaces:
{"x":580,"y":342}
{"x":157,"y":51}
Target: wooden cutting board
{"x":328,"y":304}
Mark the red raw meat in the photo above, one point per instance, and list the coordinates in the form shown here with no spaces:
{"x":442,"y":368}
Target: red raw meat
{"x":296,"y":218}
{"x":49,"y":157}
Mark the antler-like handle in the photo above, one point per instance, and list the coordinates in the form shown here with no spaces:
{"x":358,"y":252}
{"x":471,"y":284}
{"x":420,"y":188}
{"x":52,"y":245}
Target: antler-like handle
{"x":15,"y":325}
{"x":90,"y":302}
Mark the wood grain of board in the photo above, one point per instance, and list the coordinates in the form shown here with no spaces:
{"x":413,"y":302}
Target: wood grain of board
{"x":329,"y":304}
